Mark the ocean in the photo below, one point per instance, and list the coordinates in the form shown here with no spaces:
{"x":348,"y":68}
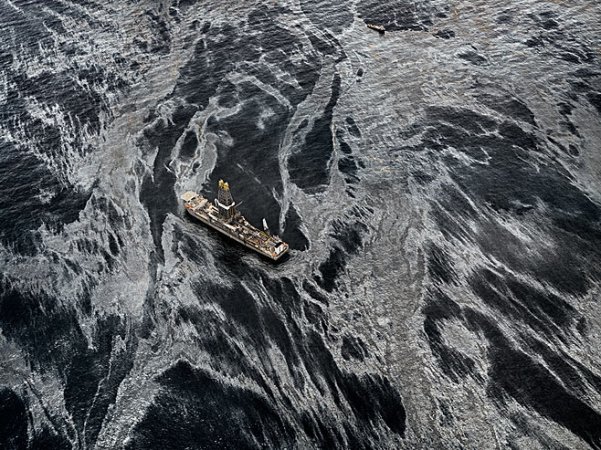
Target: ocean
{"x":439,"y":186}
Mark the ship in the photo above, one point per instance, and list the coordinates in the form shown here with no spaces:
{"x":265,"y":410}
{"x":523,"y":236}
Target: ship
{"x":221,"y":215}
{"x":379,"y":28}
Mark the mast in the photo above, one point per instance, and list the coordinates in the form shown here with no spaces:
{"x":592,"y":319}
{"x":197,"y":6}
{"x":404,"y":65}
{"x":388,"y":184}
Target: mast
{"x":224,"y":202}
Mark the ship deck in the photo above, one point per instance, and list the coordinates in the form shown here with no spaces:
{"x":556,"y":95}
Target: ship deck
{"x":237,"y":228}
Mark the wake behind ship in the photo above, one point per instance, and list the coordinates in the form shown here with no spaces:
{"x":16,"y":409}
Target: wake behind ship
{"x":223,"y":217}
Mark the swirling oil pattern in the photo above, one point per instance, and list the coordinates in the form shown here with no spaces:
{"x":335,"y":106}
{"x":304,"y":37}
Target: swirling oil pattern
{"x":439,"y":185}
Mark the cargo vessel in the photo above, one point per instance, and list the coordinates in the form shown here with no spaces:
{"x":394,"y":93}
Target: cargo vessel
{"x":379,"y":28}
{"x":222,"y":216}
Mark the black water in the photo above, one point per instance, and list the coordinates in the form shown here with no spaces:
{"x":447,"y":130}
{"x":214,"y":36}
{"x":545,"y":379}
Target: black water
{"x":438,"y":185}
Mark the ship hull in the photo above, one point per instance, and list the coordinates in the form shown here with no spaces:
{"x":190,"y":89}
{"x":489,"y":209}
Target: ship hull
{"x":218,"y":226}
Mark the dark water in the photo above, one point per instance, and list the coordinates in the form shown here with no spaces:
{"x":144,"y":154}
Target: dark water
{"x":440,"y":187}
